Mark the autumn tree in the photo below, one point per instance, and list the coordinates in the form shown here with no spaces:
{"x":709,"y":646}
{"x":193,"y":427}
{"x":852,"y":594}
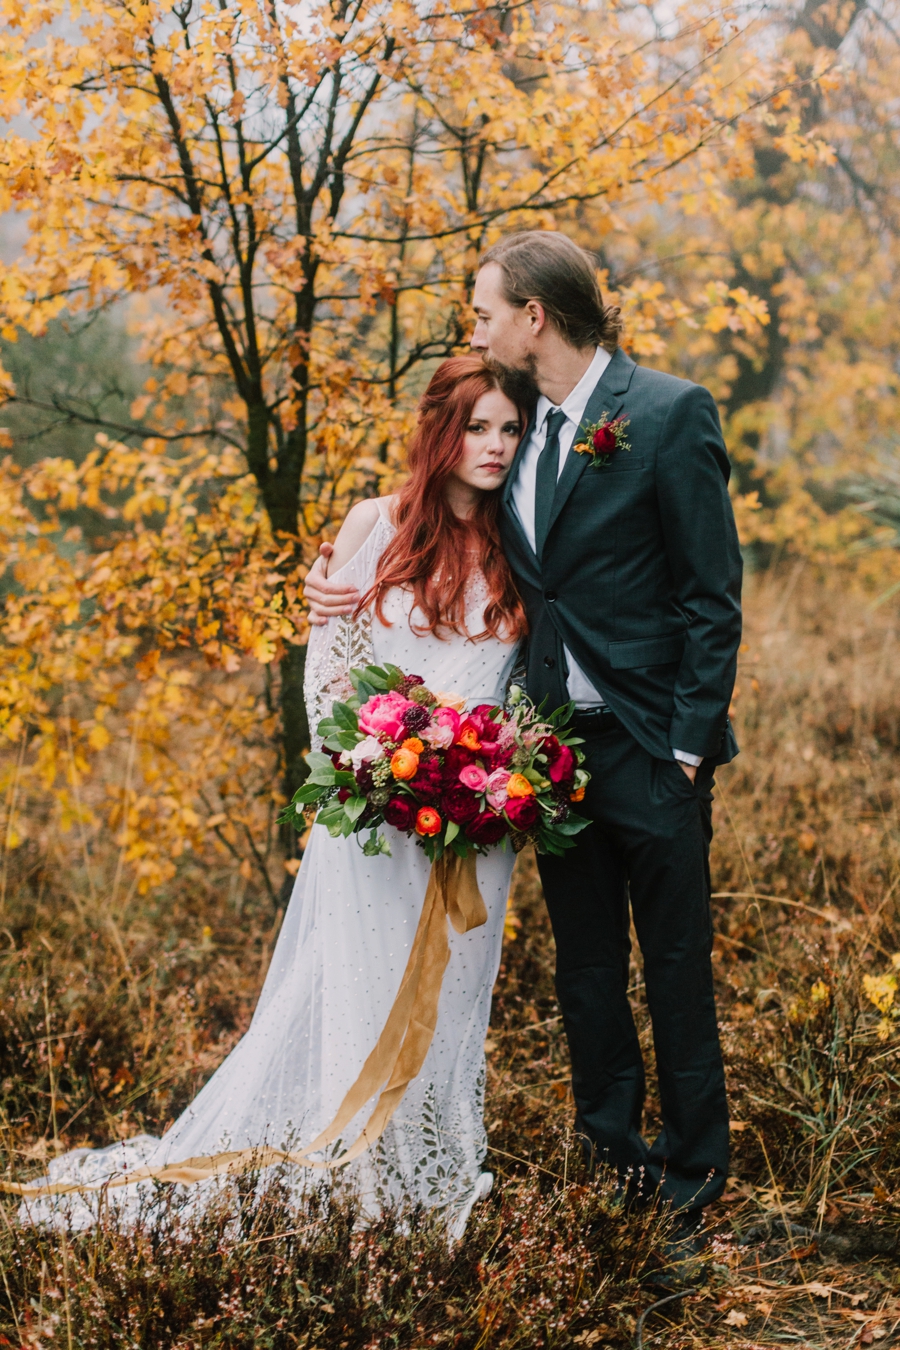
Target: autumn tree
{"x":810,"y":399}
{"x":300,"y":195}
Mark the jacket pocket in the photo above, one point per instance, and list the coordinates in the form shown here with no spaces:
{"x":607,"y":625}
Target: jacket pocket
{"x":622,"y":461}
{"x":654,"y":651}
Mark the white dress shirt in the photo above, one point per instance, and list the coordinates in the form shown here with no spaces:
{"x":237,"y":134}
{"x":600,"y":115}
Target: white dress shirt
{"x":578,"y":685}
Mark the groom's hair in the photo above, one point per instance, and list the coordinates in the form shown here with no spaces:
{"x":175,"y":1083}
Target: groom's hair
{"x":546,"y":266}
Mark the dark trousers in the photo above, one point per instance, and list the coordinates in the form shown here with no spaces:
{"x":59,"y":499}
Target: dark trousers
{"x":648,"y":840}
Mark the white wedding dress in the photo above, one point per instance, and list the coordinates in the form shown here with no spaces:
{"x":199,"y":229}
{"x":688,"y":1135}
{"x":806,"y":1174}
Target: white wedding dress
{"x":334,"y":975}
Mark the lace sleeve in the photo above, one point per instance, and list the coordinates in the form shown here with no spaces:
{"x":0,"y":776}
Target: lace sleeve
{"x":336,"y":647}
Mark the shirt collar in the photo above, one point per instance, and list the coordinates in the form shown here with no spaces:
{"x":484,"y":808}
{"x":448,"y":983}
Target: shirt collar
{"x":576,"y":402}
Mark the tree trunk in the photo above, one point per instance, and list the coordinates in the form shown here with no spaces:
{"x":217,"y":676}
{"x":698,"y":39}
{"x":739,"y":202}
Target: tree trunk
{"x":294,"y":733}
{"x":280,"y":489}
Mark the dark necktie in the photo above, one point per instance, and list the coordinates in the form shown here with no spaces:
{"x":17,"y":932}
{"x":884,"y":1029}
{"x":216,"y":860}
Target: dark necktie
{"x":545,"y":478}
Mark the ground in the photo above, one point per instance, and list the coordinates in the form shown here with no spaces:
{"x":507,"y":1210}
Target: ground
{"x":109,"y":1021}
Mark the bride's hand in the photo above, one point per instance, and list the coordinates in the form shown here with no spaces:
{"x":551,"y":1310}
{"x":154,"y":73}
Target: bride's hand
{"x":325,"y":598}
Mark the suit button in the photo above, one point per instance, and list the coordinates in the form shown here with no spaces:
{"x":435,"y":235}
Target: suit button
{"x":550,"y":595}
{"x":549,"y":662}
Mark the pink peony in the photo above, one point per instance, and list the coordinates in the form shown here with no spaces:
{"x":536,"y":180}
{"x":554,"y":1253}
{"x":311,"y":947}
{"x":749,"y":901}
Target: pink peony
{"x":496,"y":789}
{"x":447,"y":717}
{"x":474,"y":777}
{"x":440,"y":737}
{"x":382,"y":715}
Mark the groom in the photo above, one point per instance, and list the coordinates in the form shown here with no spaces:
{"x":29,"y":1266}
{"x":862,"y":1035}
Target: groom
{"x":630,"y":571}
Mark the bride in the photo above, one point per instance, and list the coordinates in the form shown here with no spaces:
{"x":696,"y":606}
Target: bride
{"x":438,"y":601}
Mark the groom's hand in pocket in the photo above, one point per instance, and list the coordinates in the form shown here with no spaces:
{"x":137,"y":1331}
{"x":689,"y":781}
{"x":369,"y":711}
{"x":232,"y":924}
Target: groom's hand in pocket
{"x":690,"y":769}
{"x":325,"y":598}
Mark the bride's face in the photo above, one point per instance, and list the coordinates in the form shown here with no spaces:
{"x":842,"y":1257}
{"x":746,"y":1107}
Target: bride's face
{"x":489,"y":443}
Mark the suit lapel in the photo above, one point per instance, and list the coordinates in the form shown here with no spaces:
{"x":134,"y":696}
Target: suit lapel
{"x":606,"y":399}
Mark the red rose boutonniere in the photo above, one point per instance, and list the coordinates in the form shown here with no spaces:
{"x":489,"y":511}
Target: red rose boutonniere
{"x":603,"y":439}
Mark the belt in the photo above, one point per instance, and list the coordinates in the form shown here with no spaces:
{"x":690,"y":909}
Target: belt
{"x":588,"y":719}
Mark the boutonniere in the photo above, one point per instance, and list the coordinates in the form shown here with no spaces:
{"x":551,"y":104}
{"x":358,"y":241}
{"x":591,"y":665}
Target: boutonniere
{"x":603,"y":439}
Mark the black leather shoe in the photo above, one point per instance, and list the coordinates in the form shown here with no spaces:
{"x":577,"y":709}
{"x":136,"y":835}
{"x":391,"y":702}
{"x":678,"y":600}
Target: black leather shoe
{"x":683,"y":1263}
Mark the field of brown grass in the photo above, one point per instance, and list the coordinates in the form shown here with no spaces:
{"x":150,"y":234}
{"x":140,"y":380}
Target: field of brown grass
{"x":111,"y":1018}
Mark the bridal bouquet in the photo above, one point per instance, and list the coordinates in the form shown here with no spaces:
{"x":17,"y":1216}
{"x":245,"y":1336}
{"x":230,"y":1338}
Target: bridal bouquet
{"x":402,"y":755}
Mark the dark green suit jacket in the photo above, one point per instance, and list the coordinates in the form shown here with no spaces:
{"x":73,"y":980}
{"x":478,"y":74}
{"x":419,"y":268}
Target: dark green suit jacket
{"x":641,"y":573}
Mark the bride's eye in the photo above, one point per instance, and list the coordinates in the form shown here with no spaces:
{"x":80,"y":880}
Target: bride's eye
{"x":475,"y":426}
{"x":511,"y":429}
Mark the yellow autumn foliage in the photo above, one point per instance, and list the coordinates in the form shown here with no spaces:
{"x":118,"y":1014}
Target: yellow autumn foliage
{"x":290,"y":204}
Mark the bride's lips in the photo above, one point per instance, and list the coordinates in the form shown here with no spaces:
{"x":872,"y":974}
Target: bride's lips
{"x":493,"y":467}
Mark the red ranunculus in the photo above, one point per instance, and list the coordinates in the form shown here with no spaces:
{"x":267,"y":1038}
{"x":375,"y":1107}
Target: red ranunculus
{"x":459,"y":804}
{"x":604,"y":440}
{"x":487,"y":828}
{"x":343,"y":794}
{"x":428,"y":821}
{"x":401,"y":812}
{"x":562,"y":768}
{"x":523,"y":811}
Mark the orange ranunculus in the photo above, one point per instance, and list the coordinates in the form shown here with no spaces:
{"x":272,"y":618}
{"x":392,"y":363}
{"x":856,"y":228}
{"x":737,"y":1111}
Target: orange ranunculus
{"x":468,"y":736}
{"x":519,"y":786}
{"x":428,"y":821}
{"x":577,"y":795}
{"x":414,"y":744}
{"x":404,"y":763}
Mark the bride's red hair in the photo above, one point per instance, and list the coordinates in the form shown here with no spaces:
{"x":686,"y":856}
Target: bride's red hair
{"x":434,"y":552}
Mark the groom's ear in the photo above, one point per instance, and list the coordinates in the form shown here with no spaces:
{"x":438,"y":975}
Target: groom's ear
{"x":535,"y":316}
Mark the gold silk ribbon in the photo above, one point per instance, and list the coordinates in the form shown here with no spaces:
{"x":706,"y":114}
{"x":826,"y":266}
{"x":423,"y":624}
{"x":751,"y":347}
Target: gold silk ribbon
{"x":452,"y":893}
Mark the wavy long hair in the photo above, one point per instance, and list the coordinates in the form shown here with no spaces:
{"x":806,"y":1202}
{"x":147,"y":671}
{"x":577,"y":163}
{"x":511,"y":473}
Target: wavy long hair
{"x":434,"y":552}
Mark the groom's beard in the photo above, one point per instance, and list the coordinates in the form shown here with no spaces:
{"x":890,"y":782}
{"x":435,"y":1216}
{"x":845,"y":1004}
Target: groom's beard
{"x":517,"y":382}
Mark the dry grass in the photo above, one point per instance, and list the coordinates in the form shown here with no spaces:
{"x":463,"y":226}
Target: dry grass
{"x":109,"y":1022}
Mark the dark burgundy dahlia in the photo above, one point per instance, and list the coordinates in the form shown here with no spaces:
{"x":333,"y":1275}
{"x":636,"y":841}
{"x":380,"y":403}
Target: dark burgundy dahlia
{"x":429,"y":776}
{"x":487,"y":828}
{"x":459,"y":804}
{"x":458,"y":757}
{"x":401,"y":813}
